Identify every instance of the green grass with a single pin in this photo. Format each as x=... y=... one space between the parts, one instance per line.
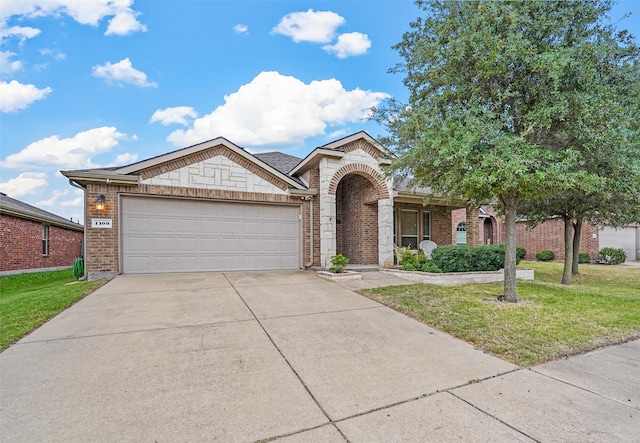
x=601 y=307
x=29 y=300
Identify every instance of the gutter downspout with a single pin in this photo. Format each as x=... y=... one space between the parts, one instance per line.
x=84 y=240
x=309 y=198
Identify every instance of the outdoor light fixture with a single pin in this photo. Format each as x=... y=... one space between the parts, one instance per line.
x=101 y=203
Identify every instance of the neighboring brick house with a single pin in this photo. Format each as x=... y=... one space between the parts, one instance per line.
x=550 y=235
x=216 y=207
x=34 y=239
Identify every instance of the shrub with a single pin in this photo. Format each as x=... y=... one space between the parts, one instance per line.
x=611 y=256
x=545 y=255
x=520 y=254
x=338 y=263
x=583 y=257
x=467 y=259
x=412 y=262
x=430 y=266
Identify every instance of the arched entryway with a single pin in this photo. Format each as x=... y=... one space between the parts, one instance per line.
x=488 y=231
x=357 y=219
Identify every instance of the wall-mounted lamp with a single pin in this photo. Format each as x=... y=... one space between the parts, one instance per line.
x=101 y=204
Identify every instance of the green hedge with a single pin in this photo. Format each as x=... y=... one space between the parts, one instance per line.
x=468 y=259
x=545 y=255
x=583 y=257
x=612 y=256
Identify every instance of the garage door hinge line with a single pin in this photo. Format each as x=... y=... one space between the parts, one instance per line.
x=285 y=358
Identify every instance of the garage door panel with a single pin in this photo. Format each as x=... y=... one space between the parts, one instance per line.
x=138 y=224
x=210 y=226
x=137 y=244
x=620 y=238
x=175 y=235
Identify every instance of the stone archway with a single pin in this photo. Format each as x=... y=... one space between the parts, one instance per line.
x=357 y=219
x=377 y=200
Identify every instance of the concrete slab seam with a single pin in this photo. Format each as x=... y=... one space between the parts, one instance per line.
x=597 y=394
x=320 y=313
x=422 y=396
x=304 y=385
x=495 y=418
x=79 y=337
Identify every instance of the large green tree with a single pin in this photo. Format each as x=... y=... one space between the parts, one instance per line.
x=603 y=98
x=488 y=101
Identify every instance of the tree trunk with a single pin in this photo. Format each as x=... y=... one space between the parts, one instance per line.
x=568 y=249
x=510 y=208
x=577 y=234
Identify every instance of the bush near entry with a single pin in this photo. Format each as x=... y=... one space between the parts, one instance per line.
x=583 y=257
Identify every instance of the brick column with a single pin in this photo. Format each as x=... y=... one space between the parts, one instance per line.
x=473 y=227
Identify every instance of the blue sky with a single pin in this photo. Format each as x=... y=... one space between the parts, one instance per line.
x=108 y=82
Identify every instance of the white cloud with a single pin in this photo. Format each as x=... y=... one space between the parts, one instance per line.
x=176 y=114
x=15 y=96
x=124 y=159
x=353 y=43
x=56 y=55
x=67 y=153
x=22 y=32
x=274 y=108
x=86 y=12
x=7 y=65
x=120 y=73
x=25 y=184
x=241 y=29
x=53 y=200
x=310 y=26
x=125 y=23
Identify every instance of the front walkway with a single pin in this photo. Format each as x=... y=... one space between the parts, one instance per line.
x=287 y=355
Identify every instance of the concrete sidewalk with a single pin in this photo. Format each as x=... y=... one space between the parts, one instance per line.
x=291 y=357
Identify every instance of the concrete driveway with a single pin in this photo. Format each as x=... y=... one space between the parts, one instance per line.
x=255 y=356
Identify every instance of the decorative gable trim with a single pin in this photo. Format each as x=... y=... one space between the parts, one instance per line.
x=200 y=152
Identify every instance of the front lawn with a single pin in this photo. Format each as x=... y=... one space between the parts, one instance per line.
x=601 y=307
x=29 y=300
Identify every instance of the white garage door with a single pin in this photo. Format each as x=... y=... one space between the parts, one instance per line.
x=174 y=235
x=622 y=238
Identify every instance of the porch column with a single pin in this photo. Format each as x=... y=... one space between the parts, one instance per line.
x=385 y=232
x=327 y=228
x=473 y=227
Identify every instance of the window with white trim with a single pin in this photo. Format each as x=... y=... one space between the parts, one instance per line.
x=409 y=228
x=461 y=233
x=45 y=239
x=426 y=225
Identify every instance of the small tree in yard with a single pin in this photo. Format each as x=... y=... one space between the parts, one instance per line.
x=489 y=98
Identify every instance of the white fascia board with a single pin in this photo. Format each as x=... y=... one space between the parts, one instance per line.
x=315 y=155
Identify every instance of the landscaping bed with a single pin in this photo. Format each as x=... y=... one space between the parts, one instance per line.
x=457 y=278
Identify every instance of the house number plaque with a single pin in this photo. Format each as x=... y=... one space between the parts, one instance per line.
x=101 y=223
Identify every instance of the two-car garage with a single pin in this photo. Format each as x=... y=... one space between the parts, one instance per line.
x=187 y=235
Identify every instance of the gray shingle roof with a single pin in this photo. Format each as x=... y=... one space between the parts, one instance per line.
x=277 y=160
x=15 y=207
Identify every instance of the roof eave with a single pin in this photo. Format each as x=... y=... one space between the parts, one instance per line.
x=314 y=156
x=20 y=214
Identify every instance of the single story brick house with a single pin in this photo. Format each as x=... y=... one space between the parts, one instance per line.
x=550 y=235
x=216 y=207
x=32 y=239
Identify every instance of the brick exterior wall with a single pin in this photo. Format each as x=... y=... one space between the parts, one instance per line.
x=21 y=245
x=550 y=236
x=546 y=236
x=357 y=220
